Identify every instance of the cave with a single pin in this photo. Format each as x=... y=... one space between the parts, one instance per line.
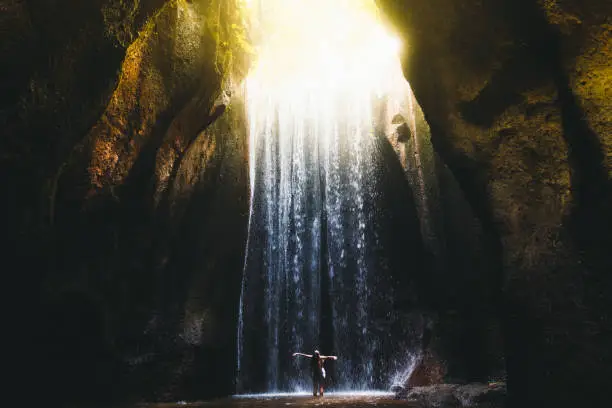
x=195 y=189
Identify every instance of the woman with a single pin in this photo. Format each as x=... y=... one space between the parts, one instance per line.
x=317 y=370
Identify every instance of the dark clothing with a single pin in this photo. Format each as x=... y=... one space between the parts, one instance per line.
x=315 y=365
x=316 y=368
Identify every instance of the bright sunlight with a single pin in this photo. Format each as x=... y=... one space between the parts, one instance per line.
x=320 y=59
x=320 y=44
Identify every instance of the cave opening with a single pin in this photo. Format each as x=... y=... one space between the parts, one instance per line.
x=339 y=211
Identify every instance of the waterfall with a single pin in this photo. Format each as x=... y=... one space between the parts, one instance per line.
x=317 y=272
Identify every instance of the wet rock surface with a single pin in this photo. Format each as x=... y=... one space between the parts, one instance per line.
x=438 y=396
x=329 y=400
x=456 y=395
x=127 y=173
x=513 y=91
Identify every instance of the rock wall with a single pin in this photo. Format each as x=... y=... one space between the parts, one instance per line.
x=517 y=97
x=124 y=163
x=457 y=290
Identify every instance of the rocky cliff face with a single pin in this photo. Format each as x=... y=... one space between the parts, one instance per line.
x=517 y=95
x=124 y=163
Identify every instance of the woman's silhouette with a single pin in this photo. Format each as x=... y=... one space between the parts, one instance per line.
x=317 y=370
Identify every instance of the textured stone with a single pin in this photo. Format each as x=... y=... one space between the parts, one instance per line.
x=515 y=94
x=126 y=161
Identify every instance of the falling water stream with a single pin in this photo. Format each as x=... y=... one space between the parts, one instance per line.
x=321 y=101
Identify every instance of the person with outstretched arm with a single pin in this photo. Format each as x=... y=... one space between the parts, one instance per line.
x=317 y=370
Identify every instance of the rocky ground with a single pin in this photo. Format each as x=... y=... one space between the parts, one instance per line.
x=456 y=396
x=294 y=401
x=438 y=396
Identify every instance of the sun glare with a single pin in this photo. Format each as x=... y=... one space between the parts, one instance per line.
x=309 y=45
x=319 y=60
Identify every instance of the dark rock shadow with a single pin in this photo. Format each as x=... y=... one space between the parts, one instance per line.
x=589 y=223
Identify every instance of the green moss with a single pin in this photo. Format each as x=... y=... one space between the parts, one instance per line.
x=226 y=21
